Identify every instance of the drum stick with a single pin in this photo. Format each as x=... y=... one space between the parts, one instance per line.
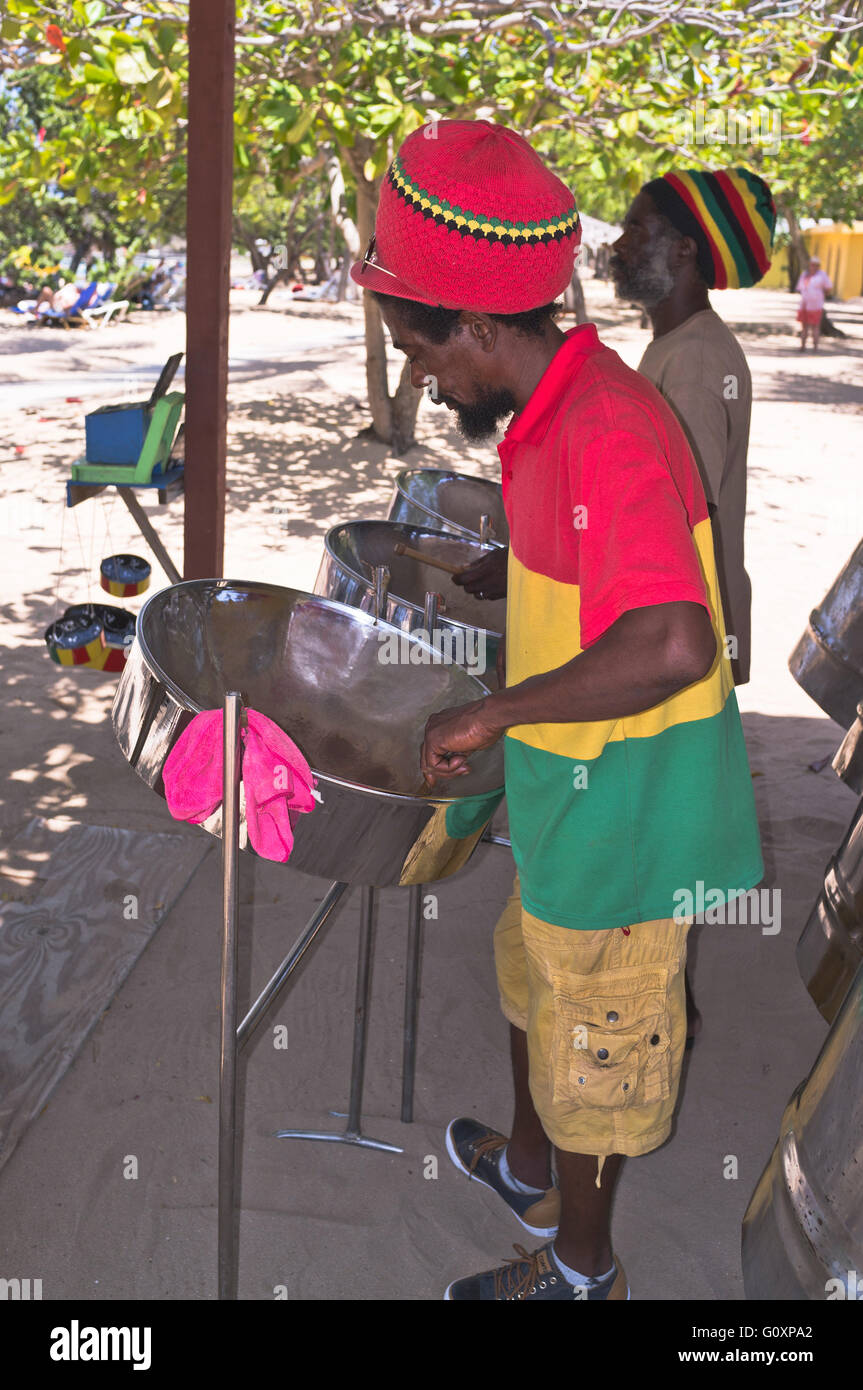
x=402 y=549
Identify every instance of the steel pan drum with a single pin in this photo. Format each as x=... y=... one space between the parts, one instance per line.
x=830 y=949
x=314 y=667
x=803 y=1229
x=848 y=762
x=451 y=502
x=353 y=550
x=828 y=659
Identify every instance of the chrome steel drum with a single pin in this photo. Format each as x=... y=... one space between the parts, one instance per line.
x=320 y=670
x=830 y=950
x=848 y=762
x=828 y=659
x=803 y=1229
x=451 y=502
x=352 y=552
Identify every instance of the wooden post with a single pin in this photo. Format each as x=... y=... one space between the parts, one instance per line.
x=209 y=181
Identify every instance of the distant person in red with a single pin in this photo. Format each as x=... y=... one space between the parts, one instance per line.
x=813 y=286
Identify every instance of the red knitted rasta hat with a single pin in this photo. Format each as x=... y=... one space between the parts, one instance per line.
x=471 y=218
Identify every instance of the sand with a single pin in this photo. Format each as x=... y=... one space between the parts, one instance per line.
x=328 y=1221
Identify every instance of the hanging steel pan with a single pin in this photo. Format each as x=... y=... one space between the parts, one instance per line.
x=828 y=660
x=830 y=950
x=848 y=762
x=450 y=502
x=473 y=627
x=803 y=1229
x=325 y=673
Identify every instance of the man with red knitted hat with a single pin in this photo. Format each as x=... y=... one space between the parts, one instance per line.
x=626 y=773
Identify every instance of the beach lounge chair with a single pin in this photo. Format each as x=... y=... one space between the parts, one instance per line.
x=72 y=315
x=105 y=309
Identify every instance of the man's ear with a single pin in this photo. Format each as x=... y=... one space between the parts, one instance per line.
x=686 y=251
x=482 y=328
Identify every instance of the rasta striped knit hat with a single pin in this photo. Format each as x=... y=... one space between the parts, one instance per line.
x=471 y=218
x=730 y=216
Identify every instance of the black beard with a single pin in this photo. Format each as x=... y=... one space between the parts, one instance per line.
x=480 y=419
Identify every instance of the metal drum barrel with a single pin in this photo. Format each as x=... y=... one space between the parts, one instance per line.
x=450 y=502
x=803 y=1228
x=848 y=762
x=323 y=672
x=830 y=949
x=828 y=660
x=473 y=627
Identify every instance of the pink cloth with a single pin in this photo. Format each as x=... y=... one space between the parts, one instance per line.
x=277 y=780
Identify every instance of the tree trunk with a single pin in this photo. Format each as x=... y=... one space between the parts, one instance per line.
x=405 y=404
x=798 y=256
x=281 y=277
x=393 y=417
x=573 y=298
x=829 y=329
x=376 y=348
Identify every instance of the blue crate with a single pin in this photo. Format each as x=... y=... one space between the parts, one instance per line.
x=116 y=433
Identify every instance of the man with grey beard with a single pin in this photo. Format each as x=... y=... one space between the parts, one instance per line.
x=684 y=234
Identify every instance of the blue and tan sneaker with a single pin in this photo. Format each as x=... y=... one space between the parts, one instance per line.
x=529 y=1278
x=476 y=1150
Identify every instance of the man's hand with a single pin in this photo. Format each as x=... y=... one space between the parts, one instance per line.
x=486 y=577
x=453 y=733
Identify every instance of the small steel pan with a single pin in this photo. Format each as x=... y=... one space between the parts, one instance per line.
x=803 y=1228
x=352 y=552
x=450 y=502
x=828 y=659
x=848 y=762
x=830 y=949
x=322 y=671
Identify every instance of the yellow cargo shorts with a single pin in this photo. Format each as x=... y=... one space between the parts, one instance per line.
x=605 y=1017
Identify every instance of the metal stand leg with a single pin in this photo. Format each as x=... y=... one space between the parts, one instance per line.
x=283 y=972
x=351 y=1134
x=412 y=998
x=488 y=839
x=228 y=1002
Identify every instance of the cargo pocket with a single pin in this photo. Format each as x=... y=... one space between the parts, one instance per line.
x=612 y=1037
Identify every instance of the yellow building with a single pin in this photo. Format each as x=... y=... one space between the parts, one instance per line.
x=840 y=250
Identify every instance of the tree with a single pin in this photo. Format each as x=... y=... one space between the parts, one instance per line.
x=603 y=90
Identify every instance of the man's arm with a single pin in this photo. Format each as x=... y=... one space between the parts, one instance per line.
x=644 y=658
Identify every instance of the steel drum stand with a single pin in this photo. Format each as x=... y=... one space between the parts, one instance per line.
x=351 y=1133
x=233 y=1038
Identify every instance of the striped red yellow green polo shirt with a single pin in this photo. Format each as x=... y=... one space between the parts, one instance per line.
x=611 y=819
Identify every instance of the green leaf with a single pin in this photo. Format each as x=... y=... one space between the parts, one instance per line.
x=628 y=122
x=384 y=89
x=133 y=69
x=303 y=125
x=93 y=73
x=165 y=38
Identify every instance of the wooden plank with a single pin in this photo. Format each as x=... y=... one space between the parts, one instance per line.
x=92 y=897
x=208 y=238
x=79 y=492
x=150 y=535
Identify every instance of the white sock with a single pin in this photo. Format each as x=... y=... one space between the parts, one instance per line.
x=572 y=1276
x=506 y=1173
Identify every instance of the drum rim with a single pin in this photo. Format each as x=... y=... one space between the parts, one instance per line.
x=416 y=530
x=355 y=614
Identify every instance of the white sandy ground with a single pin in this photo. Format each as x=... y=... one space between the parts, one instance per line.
x=329 y=1221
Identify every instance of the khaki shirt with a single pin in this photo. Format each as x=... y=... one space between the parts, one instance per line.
x=701 y=371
